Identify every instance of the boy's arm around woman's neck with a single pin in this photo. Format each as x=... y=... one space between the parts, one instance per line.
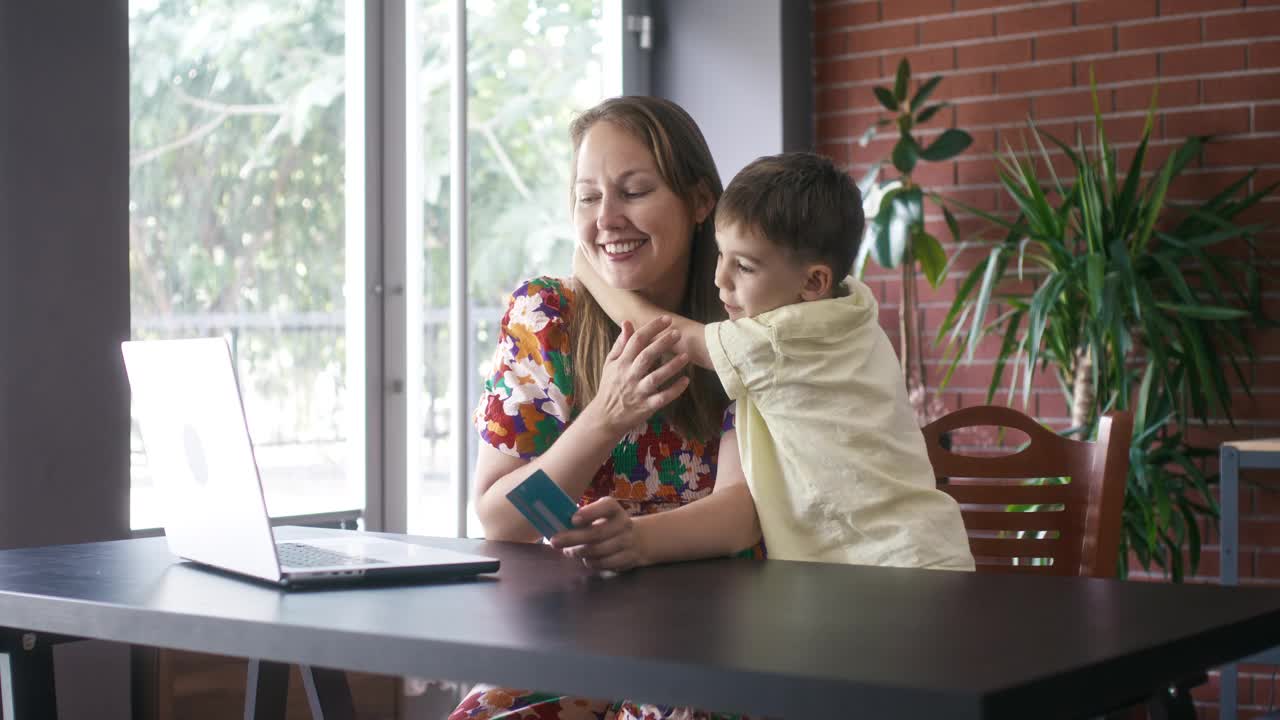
x=622 y=305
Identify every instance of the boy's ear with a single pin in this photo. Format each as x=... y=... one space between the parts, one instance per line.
x=818 y=283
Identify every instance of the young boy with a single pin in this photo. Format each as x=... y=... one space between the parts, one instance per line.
x=829 y=444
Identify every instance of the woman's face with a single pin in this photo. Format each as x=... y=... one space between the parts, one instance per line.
x=633 y=229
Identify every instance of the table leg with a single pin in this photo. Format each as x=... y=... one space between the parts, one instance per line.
x=1228 y=554
x=1228 y=676
x=328 y=693
x=266 y=692
x=1175 y=703
x=26 y=676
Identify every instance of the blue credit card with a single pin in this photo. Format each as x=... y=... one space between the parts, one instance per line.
x=547 y=507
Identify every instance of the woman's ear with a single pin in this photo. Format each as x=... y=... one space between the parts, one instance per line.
x=818 y=282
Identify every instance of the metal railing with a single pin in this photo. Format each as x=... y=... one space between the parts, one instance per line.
x=483 y=321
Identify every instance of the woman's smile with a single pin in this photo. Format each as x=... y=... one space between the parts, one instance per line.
x=620 y=250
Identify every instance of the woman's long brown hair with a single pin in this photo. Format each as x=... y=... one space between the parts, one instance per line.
x=684 y=161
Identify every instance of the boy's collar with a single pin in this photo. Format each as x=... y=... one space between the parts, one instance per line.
x=830 y=317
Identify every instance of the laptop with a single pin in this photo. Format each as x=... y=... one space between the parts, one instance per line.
x=191 y=415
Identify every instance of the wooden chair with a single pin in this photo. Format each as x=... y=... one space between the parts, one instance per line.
x=1053 y=529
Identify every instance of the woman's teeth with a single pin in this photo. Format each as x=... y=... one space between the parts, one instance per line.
x=620 y=248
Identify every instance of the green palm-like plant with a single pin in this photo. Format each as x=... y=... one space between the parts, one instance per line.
x=1129 y=302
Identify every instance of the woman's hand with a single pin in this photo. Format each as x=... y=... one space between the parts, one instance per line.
x=604 y=538
x=636 y=382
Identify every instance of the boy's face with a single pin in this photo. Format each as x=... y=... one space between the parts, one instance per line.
x=756 y=276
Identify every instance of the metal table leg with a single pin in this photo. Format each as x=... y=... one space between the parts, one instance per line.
x=1228 y=544
x=328 y=693
x=1175 y=702
x=266 y=692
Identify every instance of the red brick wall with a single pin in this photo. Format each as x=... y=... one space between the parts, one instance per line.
x=1218 y=66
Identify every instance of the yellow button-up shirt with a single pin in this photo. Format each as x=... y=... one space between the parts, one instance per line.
x=834 y=458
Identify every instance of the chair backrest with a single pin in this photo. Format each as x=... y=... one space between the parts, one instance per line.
x=1038 y=528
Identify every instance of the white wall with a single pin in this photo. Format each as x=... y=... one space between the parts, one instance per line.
x=742 y=68
x=64 y=271
x=64 y=300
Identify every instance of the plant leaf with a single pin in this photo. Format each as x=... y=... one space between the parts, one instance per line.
x=901 y=80
x=950 y=143
x=927 y=114
x=905 y=154
x=1008 y=347
x=910 y=205
x=961 y=305
x=869 y=178
x=886 y=98
x=1155 y=206
x=933 y=260
x=886 y=252
x=1107 y=176
x=1044 y=153
x=1204 y=312
x=868 y=135
x=952 y=225
x=1095 y=266
x=924 y=92
x=989 y=278
x=864 y=250
x=1124 y=204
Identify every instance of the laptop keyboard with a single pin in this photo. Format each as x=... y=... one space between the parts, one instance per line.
x=303 y=555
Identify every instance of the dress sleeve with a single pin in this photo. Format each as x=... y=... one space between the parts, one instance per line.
x=528 y=397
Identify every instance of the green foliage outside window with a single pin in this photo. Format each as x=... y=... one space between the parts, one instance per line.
x=237 y=197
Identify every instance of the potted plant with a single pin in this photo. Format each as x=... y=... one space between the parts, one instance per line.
x=896 y=236
x=1129 y=301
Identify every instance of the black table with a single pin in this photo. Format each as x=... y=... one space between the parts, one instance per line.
x=779 y=638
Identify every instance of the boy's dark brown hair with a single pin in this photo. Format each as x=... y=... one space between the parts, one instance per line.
x=799 y=201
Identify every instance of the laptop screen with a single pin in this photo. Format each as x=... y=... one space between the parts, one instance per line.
x=189 y=411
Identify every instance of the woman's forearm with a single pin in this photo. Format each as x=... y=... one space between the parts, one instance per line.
x=722 y=523
x=571 y=462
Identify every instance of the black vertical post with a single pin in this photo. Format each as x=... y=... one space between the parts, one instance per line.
x=27 y=685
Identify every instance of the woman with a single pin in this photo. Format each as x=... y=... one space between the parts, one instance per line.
x=636 y=437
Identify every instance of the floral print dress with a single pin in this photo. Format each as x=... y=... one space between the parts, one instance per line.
x=527 y=402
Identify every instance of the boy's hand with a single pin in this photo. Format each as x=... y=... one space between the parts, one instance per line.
x=604 y=537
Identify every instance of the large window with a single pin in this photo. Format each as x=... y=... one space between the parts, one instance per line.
x=237 y=226
x=248 y=213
